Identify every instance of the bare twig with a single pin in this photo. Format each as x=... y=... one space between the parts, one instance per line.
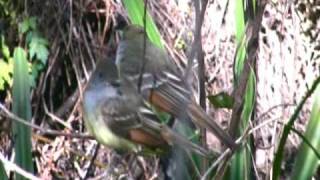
x=17 y=169
x=71 y=100
x=216 y=163
x=197 y=52
x=95 y=154
x=252 y=33
x=196 y=46
x=272 y=108
x=144 y=59
x=33 y=126
x=54 y=117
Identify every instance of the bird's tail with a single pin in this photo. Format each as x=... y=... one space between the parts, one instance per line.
x=205 y=121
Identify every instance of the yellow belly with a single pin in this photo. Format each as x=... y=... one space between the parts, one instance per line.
x=105 y=136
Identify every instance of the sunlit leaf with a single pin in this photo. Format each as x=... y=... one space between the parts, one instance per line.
x=6 y=70
x=38 y=48
x=5 y=49
x=221 y=100
x=307 y=162
x=27 y=24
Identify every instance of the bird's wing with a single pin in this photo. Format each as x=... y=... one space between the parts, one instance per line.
x=134 y=120
x=169 y=135
x=168 y=92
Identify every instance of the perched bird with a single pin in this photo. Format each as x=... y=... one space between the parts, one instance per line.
x=116 y=115
x=160 y=84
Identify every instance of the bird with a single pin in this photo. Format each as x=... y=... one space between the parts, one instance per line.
x=116 y=114
x=159 y=81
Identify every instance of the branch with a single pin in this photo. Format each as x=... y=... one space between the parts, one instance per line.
x=17 y=169
x=12 y=116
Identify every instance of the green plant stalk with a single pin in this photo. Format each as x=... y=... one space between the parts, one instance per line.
x=286 y=131
x=241 y=162
x=307 y=142
x=21 y=108
x=307 y=160
x=241 y=41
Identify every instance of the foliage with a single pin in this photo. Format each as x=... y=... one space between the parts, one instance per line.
x=22 y=108
x=37 y=46
x=241 y=162
x=6 y=67
x=19 y=69
x=306 y=162
x=287 y=130
x=221 y=100
x=37 y=49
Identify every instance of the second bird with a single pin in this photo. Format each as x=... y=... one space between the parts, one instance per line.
x=159 y=81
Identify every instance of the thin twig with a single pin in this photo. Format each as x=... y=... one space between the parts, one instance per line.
x=288 y=127
x=95 y=154
x=67 y=104
x=252 y=35
x=17 y=169
x=54 y=117
x=197 y=52
x=144 y=59
x=197 y=35
x=12 y=116
x=225 y=154
x=270 y=109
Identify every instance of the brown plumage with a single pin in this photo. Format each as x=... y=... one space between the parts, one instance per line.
x=161 y=85
x=115 y=113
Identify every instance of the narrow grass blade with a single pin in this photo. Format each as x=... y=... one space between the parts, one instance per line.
x=307 y=162
x=279 y=154
x=22 y=108
x=241 y=162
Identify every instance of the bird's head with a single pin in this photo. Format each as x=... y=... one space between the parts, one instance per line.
x=106 y=72
x=132 y=32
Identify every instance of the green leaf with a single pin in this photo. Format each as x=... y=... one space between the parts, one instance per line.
x=22 y=108
x=29 y=37
x=221 y=100
x=241 y=162
x=287 y=129
x=35 y=68
x=27 y=24
x=6 y=70
x=5 y=49
x=23 y=27
x=38 y=49
x=32 y=23
x=307 y=161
